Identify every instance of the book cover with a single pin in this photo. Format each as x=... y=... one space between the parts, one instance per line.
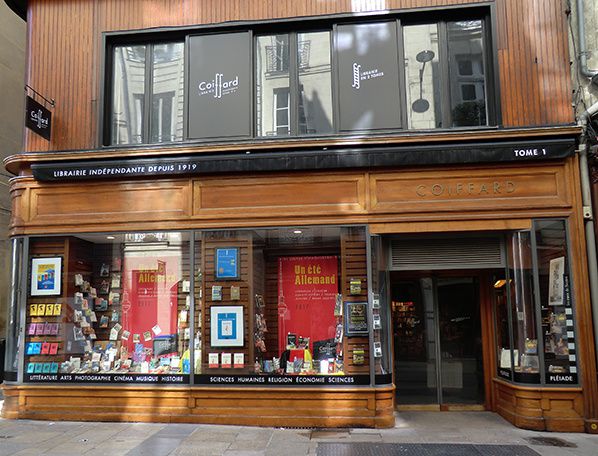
x=213 y=362
x=238 y=360
x=37 y=348
x=49 y=310
x=226 y=360
x=39 y=367
x=31 y=328
x=29 y=348
x=45 y=348
x=53 y=348
x=48 y=328
x=41 y=310
x=104 y=321
x=39 y=330
x=57 y=309
x=55 y=329
x=46 y=368
x=54 y=368
x=31 y=368
x=33 y=310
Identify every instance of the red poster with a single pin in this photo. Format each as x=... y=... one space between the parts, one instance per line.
x=149 y=302
x=307 y=288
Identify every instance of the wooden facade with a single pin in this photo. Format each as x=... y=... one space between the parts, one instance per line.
x=65 y=63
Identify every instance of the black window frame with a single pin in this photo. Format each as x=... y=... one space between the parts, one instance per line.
x=485 y=12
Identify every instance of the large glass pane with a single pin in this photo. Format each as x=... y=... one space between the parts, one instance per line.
x=414 y=331
x=422 y=76
x=466 y=73
x=109 y=308
x=273 y=86
x=128 y=95
x=460 y=340
x=381 y=311
x=13 y=324
x=282 y=306
x=315 y=83
x=501 y=315
x=558 y=327
x=525 y=339
x=167 y=92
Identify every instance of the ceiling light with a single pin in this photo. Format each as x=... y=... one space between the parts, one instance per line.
x=297 y=231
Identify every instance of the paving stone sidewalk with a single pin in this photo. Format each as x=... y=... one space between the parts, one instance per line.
x=30 y=438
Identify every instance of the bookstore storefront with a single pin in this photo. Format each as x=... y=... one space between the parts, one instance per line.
x=325 y=307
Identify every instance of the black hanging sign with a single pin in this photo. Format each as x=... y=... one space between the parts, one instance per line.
x=38 y=118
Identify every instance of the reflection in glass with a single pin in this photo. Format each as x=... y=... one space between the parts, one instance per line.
x=422 y=76
x=525 y=339
x=273 y=85
x=466 y=70
x=501 y=314
x=414 y=328
x=167 y=93
x=315 y=83
x=128 y=94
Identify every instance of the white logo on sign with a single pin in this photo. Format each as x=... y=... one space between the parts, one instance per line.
x=359 y=75
x=38 y=118
x=218 y=87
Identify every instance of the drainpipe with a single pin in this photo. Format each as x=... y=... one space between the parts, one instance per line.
x=583 y=53
x=584 y=118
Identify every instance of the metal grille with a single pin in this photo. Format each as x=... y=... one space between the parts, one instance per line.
x=442 y=253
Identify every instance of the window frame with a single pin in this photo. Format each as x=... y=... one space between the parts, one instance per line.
x=485 y=12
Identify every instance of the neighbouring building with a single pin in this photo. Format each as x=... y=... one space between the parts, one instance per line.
x=300 y=214
x=12 y=66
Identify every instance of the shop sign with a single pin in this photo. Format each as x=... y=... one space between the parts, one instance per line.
x=368 y=73
x=219 y=92
x=296 y=160
x=108 y=378
x=304 y=380
x=38 y=119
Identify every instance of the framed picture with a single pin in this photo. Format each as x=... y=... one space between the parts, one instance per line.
x=356 y=318
x=227 y=263
x=226 y=326
x=556 y=281
x=46 y=276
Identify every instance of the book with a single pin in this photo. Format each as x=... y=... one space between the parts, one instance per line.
x=216 y=293
x=29 y=348
x=37 y=348
x=53 y=348
x=238 y=360
x=213 y=362
x=31 y=328
x=39 y=367
x=104 y=321
x=55 y=329
x=49 y=310
x=31 y=368
x=33 y=310
x=39 y=330
x=226 y=360
x=46 y=368
x=57 y=310
x=54 y=368
x=45 y=348
x=41 y=310
x=48 y=329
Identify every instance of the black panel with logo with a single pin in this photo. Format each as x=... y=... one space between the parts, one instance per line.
x=219 y=86
x=38 y=118
x=368 y=76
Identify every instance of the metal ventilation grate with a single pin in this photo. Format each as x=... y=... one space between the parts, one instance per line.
x=443 y=253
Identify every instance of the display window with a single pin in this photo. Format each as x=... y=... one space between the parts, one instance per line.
x=108 y=308
x=282 y=306
x=254 y=306
x=534 y=309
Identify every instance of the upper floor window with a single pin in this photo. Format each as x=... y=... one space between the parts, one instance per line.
x=386 y=75
x=147 y=93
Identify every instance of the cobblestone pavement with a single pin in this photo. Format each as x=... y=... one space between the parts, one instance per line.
x=26 y=437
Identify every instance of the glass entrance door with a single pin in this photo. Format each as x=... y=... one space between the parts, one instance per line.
x=437 y=341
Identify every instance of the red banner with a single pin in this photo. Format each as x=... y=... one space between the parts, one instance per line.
x=150 y=287
x=307 y=288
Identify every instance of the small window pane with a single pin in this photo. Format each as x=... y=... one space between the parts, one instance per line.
x=272 y=81
x=422 y=76
x=167 y=93
x=315 y=83
x=128 y=95
x=466 y=73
